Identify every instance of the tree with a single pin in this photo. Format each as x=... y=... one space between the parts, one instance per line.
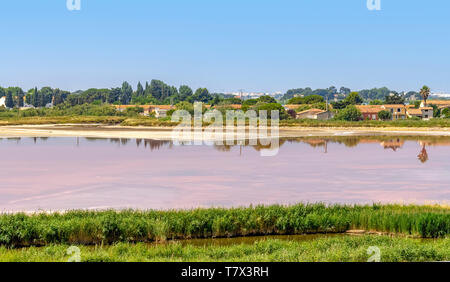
x=202 y=95
x=345 y=91
x=394 y=99
x=269 y=107
x=354 y=99
x=350 y=113
x=127 y=92
x=20 y=95
x=139 y=90
x=425 y=93
x=185 y=92
x=376 y=102
x=267 y=99
x=35 y=101
x=9 y=102
x=385 y=115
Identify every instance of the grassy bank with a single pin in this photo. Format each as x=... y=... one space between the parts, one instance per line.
x=335 y=249
x=109 y=227
x=150 y=121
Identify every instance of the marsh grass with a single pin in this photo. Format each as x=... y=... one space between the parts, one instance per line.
x=327 y=249
x=109 y=227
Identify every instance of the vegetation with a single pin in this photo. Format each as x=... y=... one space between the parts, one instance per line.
x=327 y=249
x=385 y=115
x=109 y=227
x=425 y=93
x=350 y=113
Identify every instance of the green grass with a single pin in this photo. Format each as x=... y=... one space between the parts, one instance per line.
x=333 y=249
x=109 y=227
x=165 y=122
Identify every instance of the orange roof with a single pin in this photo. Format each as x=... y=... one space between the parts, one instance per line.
x=312 y=111
x=415 y=111
x=438 y=102
x=426 y=108
x=369 y=109
x=394 y=106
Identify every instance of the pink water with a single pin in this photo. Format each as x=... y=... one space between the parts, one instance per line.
x=71 y=173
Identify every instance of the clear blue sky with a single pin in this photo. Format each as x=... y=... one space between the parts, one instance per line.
x=226 y=45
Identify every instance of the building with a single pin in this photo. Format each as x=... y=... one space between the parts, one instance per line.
x=425 y=113
x=397 y=111
x=148 y=109
x=3 y=101
x=441 y=104
x=315 y=114
x=369 y=112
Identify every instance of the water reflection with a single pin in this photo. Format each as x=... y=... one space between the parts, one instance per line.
x=93 y=173
x=387 y=142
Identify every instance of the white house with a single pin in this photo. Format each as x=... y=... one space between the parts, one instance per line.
x=3 y=101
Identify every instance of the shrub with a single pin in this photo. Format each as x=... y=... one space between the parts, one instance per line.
x=385 y=115
x=350 y=113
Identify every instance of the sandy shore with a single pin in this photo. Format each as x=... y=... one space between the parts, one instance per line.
x=165 y=133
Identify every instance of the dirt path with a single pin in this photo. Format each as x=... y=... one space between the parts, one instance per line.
x=165 y=133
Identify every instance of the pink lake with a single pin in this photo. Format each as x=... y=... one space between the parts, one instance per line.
x=72 y=173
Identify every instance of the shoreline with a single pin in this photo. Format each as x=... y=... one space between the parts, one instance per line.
x=165 y=133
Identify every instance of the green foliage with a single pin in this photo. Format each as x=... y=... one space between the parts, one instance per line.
x=314 y=248
x=385 y=115
x=269 y=107
x=445 y=113
x=394 y=99
x=350 y=113
x=9 y=102
x=250 y=102
x=267 y=99
x=376 y=102
x=313 y=99
x=92 y=227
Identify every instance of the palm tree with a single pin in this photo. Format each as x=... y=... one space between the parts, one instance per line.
x=425 y=93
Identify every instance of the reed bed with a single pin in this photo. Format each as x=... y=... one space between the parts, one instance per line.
x=325 y=249
x=109 y=227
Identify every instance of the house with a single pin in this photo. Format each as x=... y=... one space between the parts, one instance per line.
x=425 y=113
x=3 y=101
x=369 y=112
x=148 y=109
x=441 y=104
x=397 y=111
x=315 y=114
x=161 y=113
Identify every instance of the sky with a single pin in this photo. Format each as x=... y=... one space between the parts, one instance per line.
x=264 y=45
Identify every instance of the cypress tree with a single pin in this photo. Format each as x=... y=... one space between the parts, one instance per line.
x=9 y=102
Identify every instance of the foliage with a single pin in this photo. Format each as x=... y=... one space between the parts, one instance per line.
x=313 y=99
x=290 y=249
x=385 y=115
x=394 y=99
x=376 y=102
x=350 y=113
x=425 y=93
x=97 y=227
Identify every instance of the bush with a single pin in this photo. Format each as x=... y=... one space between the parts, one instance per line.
x=385 y=115
x=350 y=113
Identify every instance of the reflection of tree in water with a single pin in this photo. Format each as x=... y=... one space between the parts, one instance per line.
x=393 y=144
x=247 y=143
x=423 y=156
